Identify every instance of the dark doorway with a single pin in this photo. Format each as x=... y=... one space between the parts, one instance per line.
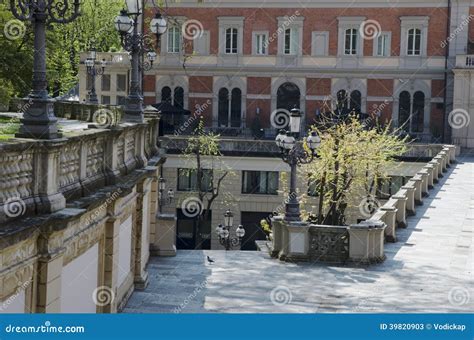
x=187 y=234
x=253 y=230
x=288 y=96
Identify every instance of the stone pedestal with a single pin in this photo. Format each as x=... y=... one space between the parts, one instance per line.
x=424 y=182
x=410 y=207
x=391 y=222
x=401 y=211
x=417 y=182
x=164 y=243
x=432 y=177
x=366 y=242
x=298 y=241
x=277 y=230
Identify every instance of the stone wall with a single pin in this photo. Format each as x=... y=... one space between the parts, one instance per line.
x=76 y=219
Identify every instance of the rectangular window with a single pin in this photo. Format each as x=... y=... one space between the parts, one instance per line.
x=121 y=82
x=105 y=100
x=350 y=42
x=231 y=40
x=174 y=40
x=291 y=41
x=187 y=180
x=383 y=47
x=260 y=182
x=261 y=44
x=106 y=82
x=414 y=42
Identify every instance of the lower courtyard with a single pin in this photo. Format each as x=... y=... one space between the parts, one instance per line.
x=429 y=270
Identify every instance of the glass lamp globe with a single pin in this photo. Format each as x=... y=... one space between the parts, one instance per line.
x=161 y=184
x=151 y=56
x=218 y=229
x=103 y=63
x=123 y=23
x=228 y=218
x=89 y=62
x=295 y=120
x=279 y=138
x=171 y=194
x=134 y=6
x=313 y=140
x=158 y=24
x=289 y=141
x=240 y=232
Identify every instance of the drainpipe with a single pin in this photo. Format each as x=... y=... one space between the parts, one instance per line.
x=448 y=28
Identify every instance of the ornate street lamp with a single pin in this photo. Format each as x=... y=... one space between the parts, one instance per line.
x=223 y=232
x=137 y=44
x=39 y=120
x=162 y=198
x=295 y=154
x=94 y=71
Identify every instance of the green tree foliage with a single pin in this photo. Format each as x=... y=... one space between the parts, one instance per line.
x=352 y=160
x=94 y=27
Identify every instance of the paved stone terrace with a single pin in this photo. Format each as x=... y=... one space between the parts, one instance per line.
x=429 y=270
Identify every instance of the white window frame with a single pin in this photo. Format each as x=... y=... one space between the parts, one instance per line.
x=414 y=22
x=388 y=44
x=234 y=38
x=233 y=23
x=255 y=42
x=346 y=23
x=412 y=50
x=170 y=42
x=353 y=39
x=296 y=25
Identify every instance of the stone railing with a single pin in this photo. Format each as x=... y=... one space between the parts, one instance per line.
x=395 y=211
x=73 y=110
x=82 y=217
x=361 y=243
x=36 y=176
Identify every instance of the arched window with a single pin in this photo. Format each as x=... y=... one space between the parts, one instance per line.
x=288 y=96
x=356 y=101
x=166 y=94
x=404 y=110
x=223 y=108
x=236 y=108
x=341 y=100
x=418 y=116
x=178 y=100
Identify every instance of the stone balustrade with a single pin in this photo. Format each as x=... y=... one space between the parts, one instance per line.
x=77 y=218
x=361 y=243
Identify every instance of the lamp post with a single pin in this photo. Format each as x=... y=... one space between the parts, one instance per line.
x=162 y=199
x=223 y=231
x=39 y=120
x=94 y=71
x=136 y=44
x=295 y=154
